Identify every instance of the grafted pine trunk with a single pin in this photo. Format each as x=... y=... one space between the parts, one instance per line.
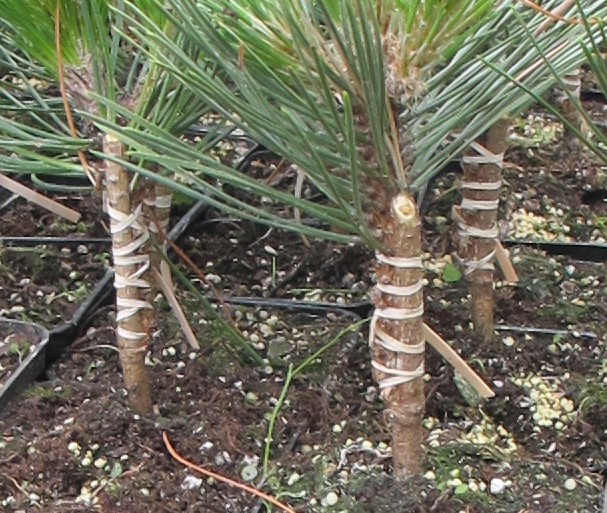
x=396 y=334
x=476 y=218
x=159 y=202
x=131 y=263
x=573 y=85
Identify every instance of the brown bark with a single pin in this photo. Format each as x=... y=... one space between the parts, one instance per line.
x=145 y=193
x=475 y=248
x=161 y=214
x=570 y=111
x=132 y=330
x=400 y=230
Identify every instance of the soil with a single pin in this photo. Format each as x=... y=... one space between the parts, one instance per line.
x=47 y=283
x=23 y=219
x=72 y=443
x=245 y=259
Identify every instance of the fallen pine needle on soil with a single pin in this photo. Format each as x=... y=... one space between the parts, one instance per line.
x=223 y=479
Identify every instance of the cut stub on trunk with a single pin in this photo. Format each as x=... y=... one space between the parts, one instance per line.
x=130 y=254
x=396 y=333
x=476 y=221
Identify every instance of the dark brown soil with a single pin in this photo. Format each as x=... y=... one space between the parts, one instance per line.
x=244 y=259
x=72 y=444
x=23 y=219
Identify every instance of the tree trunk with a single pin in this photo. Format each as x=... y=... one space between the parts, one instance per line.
x=396 y=332
x=131 y=263
x=573 y=86
x=476 y=218
x=162 y=212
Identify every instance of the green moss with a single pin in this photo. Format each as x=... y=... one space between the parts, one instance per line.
x=47 y=392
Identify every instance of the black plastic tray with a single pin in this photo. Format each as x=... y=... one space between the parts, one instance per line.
x=32 y=366
x=58 y=339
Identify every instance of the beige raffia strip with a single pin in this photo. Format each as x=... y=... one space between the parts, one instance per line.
x=128 y=256
x=482 y=264
x=473 y=204
x=500 y=254
x=394 y=290
x=163 y=201
x=377 y=336
x=484 y=156
x=465 y=230
x=481 y=186
x=400 y=262
x=397 y=376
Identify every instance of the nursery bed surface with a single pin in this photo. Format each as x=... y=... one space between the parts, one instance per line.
x=244 y=259
x=47 y=283
x=24 y=219
x=72 y=444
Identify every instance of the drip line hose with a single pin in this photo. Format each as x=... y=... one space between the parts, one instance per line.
x=582 y=251
x=592 y=94
x=257 y=151
x=360 y=309
x=194 y=213
x=26 y=242
x=547 y=331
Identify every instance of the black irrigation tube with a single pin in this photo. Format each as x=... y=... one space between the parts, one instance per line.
x=54 y=241
x=360 y=309
x=363 y=309
x=257 y=151
x=63 y=336
x=583 y=251
x=547 y=331
x=194 y=213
